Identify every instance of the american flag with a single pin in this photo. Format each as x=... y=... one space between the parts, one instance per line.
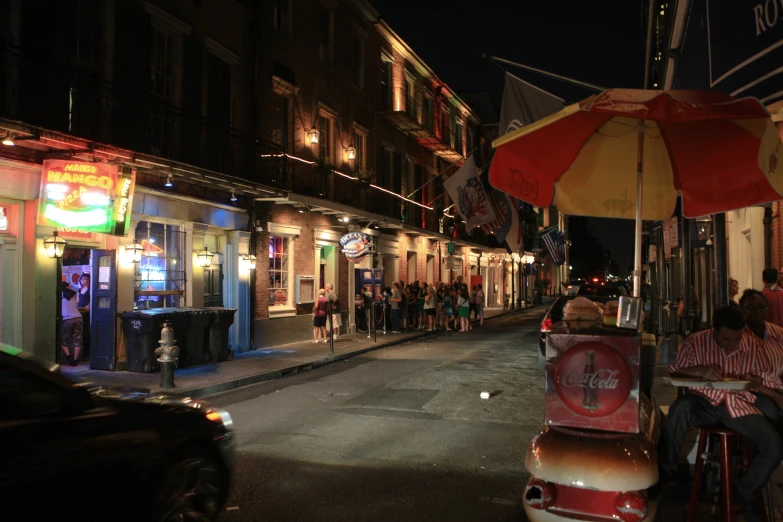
x=501 y=213
x=553 y=240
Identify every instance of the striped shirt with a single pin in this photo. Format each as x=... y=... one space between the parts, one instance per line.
x=773 y=349
x=700 y=349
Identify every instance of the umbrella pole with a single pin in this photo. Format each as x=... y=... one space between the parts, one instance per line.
x=637 y=249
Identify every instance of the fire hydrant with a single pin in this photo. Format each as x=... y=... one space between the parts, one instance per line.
x=168 y=354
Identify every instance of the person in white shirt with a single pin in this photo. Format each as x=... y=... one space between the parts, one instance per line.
x=337 y=320
x=72 y=326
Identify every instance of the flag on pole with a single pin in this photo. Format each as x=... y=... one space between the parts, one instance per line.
x=523 y=103
x=554 y=242
x=469 y=196
x=513 y=240
x=499 y=201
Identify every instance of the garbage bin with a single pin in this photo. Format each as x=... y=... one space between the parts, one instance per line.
x=217 y=347
x=192 y=338
x=141 y=330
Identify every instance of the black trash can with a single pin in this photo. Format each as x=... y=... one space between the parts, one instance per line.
x=142 y=329
x=222 y=319
x=192 y=337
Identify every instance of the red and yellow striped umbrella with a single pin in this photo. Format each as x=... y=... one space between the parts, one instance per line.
x=719 y=152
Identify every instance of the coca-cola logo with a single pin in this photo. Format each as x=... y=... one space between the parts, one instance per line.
x=592 y=379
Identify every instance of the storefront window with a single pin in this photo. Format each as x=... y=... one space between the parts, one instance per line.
x=3 y=219
x=160 y=276
x=278 y=270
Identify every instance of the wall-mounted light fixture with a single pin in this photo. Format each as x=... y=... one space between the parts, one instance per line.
x=249 y=260
x=313 y=136
x=55 y=246
x=133 y=252
x=9 y=139
x=351 y=152
x=204 y=258
x=169 y=181
x=233 y=197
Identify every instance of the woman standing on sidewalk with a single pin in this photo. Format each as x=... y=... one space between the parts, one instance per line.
x=480 y=304
x=413 y=310
x=422 y=314
x=429 y=308
x=448 y=308
x=319 y=316
x=439 y=305
x=463 y=309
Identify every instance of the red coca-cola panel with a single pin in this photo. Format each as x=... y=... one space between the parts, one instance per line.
x=592 y=381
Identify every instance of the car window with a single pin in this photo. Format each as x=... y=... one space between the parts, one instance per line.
x=24 y=396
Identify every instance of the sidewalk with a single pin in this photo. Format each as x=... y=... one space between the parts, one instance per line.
x=263 y=364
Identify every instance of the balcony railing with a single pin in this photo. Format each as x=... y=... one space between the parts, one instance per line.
x=296 y=176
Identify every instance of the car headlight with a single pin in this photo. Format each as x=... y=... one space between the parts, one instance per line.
x=221 y=416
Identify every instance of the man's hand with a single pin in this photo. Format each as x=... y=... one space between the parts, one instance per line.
x=755 y=381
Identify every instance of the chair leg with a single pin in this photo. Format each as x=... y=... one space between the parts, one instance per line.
x=725 y=478
x=770 y=503
x=697 y=471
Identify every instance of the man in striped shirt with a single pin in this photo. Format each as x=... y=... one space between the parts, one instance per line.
x=769 y=399
x=728 y=350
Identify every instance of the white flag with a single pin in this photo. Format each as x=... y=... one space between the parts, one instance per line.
x=468 y=194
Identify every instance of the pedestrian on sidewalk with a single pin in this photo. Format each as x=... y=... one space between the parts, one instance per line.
x=422 y=315
x=473 y=302
x=396 y=299
x=319 y=316
x=361 y=323
x=480 y=304
x=774 y=295
x=439 y=305
x=448 y=308
x=413 y=307
x=463 y=309
x=429 y=307
x=72 y=325
x=369 y=305
x=403 y=307
x=337 y=320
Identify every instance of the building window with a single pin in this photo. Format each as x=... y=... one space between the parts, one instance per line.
x=326 y=35
x=162 y=64
x=458 y=137
x=471 y=140
x=4 y=218
x=386 y=171
x=284 y=17
x=358 y=62
x=326 y=139
x=279 y=249
x=445 y=124
x=159 y=279
x=410 y=97
x=386 y=81
x=360 y=144
x=282 y=134
x=88 y=34
x=426 y=119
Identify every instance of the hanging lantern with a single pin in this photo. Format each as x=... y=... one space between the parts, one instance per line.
x=134 y=252
x=205 y=258
x=351 y=152
x=55 y=246
x=313 y=135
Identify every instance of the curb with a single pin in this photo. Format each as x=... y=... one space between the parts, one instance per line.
x=213 y=389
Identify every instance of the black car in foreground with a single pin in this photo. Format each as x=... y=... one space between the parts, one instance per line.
x=86 y=452
x=555 y=312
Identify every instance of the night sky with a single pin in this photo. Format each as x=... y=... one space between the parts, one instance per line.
x=596 y=42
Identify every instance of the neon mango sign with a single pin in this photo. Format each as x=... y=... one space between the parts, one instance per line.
x=88 y=197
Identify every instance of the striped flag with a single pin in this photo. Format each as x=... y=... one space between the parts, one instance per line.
x=553 y=240
x=496 y=197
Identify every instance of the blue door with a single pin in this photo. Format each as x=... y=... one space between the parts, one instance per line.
x=103 y=309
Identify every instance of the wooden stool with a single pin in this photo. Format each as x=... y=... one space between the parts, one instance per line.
x=726 y=436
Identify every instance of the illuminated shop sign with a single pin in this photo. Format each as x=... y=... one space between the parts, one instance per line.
x=356 y=245
x=86 y=197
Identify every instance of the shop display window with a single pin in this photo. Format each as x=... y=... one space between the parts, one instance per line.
x=278 y=270
x=159 y=279
x=3 y=219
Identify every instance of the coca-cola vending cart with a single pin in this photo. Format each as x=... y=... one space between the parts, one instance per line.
x=595 y=458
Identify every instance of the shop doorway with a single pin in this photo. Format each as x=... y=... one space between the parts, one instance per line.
x=412 y=267
x=92 y=275
x=430 y=269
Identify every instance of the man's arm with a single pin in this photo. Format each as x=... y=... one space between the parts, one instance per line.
x=689 y=363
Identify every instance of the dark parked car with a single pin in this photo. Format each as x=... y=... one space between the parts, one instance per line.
x=573 y=285
x=601 y=290
x=555 y=315
x=92 y=453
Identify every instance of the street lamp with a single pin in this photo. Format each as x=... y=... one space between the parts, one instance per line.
x=204 y=258
x=704 y=228
x=55 y=245
x=250 y=261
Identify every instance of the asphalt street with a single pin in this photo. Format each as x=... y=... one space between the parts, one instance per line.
x=399 y=434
